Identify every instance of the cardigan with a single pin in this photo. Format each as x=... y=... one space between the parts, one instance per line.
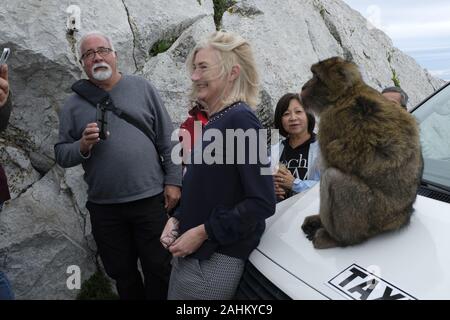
x=232 y=199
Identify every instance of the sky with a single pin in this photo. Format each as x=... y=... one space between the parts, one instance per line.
x=419 y=28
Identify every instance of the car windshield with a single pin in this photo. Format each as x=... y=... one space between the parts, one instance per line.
x=434 y=120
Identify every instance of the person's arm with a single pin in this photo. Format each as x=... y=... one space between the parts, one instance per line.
x=68 y=149
x=229 y=225
x=5 y=112
x=302 y=185
x=286 y=180
x=5 y=97
x=163 y=129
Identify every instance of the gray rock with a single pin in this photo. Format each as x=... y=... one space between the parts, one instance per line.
x=21 y=174
x=38 y=266
x=372 y=49
x=42 y=233
x=168 y=73
x=155 y=20
x=44 y=63
x=287 y=44
x=45 y=228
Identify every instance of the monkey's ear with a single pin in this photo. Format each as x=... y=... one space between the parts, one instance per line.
x=344 y=75
x=348 y=73
x=318 y=70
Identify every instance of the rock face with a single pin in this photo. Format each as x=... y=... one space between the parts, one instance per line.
x=45 y=228
x=286 y=47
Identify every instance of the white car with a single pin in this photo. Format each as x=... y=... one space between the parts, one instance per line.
x=411 y=263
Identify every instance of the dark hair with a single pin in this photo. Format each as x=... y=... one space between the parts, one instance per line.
x=404 y=96
x=283 y=105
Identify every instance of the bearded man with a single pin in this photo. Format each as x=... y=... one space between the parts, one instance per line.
x=132 y=181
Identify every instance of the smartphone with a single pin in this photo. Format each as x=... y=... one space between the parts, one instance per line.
x=5 y=55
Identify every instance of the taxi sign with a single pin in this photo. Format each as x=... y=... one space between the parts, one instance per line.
x=358 y=283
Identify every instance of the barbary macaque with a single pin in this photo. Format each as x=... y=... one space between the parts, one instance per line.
x=372 y=161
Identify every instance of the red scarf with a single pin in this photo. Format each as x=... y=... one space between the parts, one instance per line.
x=195 y=114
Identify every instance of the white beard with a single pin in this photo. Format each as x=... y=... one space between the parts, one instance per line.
x=101 y=75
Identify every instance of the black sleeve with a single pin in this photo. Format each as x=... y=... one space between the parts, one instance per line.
x=5 y=112
x=229 y=225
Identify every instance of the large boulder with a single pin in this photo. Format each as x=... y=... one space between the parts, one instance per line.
x=289 y=36
x=42 y=233
x=45 y=228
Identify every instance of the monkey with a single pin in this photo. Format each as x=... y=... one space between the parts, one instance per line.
x=371 y=157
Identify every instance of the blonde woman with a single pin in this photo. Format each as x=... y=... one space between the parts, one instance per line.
x=224 y=204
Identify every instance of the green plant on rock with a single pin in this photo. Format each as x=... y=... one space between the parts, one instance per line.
x=220 y=6
x=97 y=287
x=161 y=46
x=395 y=78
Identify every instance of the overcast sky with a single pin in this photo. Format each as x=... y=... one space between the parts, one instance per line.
x=420 y=28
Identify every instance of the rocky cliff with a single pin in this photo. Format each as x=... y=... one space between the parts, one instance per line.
x=45 y=227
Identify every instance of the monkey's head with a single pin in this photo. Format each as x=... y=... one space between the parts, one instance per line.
x=332 y=79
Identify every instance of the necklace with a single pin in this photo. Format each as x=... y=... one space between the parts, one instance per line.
x=220 y=114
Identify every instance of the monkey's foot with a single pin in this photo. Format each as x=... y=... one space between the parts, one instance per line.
x=311 y=225
x=323 y=240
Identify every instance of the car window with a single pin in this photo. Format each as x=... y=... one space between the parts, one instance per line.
x=434 y=121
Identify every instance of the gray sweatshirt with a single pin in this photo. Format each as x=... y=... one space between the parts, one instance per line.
x=126 y=166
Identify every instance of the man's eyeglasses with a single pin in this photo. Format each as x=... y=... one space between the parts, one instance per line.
x=90 y=54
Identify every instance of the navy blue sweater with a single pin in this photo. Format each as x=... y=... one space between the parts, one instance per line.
x=232 y=200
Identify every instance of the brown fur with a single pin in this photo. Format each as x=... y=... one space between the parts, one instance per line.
x=372 y=163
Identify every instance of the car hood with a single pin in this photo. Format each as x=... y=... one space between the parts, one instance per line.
x=414 y=259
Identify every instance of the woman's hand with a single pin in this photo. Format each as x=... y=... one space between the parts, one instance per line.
x=189 y=241
x=170 y=233
x=284 y=179
x=280 y=193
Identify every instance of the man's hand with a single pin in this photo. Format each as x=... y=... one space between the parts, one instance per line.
x=171 y=196
x=4 y=85
x=189 y=241
x=89 y=138
x=170 y=233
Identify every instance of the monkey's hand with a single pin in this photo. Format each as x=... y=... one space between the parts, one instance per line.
x=311 y=225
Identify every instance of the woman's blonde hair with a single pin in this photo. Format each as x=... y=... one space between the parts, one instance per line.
x=232 y=50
